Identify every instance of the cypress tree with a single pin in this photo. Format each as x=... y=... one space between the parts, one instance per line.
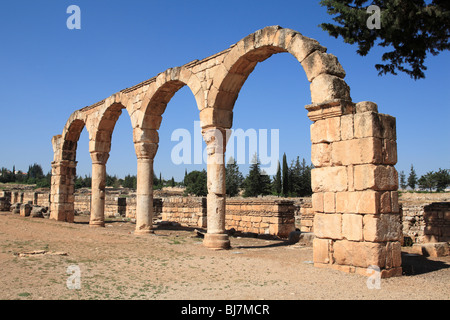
x=285 y=177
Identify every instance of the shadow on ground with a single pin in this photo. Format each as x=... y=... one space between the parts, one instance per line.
x=414 y=264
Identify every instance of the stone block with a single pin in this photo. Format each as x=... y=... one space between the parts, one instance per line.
x=320 y=154
x=326 y=130
x=327 y=87
x=328 y=225
x=352 y=227
x=389 y=150
x=347 y=127
x=322 y=250
x=320 y=62
x=366 y=106
x=359 y=254
x=375 y=177
x=301 y=46
x=367 y=124
x=437 y=249
x=393 y=255
x=329 y=179
x=382 y=227
x=362 y=202
x=25 y=210
x=356 y=151
x=317 y=201
x=329 y=202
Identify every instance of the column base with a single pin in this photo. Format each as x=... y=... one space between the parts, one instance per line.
x=216 y=241
x=97 y=224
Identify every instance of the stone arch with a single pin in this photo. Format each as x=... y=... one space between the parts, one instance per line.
x=323 y=70
x=357 y=221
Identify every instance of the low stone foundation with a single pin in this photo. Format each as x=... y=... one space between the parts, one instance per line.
x=270 y=217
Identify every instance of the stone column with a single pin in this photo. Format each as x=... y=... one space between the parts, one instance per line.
x=98 y=185
x=145 y=152
x=144 y=196
x=216 y=236
x=357 y=222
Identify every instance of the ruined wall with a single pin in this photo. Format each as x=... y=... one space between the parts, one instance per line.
x=426 y=222
x=189 y=211
x=274 y=217
x=255 y=215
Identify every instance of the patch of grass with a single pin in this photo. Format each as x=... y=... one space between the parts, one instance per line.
x=24 y=294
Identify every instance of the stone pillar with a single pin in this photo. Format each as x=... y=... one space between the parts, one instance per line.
x=144 y=196
x=216 y=236
x=357 y=222
x=98 y=185
x=146 y=146
x=62 y=190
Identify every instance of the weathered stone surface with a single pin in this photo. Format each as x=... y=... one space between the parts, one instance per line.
x=326 y=130
x=359 y=254
x=328 y=225
x=366 y=106
x=319 y=62
x=356 y=151
x=363 y=202
x=352 y=227
x=322 y=250
x=329 y=179
x=321 y=154
x=25 y=210
x=327 y=87
x=376 y=177
x=381 y=228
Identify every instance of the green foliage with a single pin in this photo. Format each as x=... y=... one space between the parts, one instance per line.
x=412 y=178
x=130 y=182
x=196 y=183
x=277 y=182
x=438 y=180
x=442 y=178
x=411 y=28
x=300 y=179
x=403 y=183
x=285 y=181
x=257 y=182
x=83 y=182
x=427 y=181
x=233 y=178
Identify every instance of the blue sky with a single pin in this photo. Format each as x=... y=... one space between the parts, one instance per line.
x=49 y=71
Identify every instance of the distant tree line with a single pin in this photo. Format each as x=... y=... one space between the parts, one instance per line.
x=431 y=181
x=291 y=181
x=34 y=175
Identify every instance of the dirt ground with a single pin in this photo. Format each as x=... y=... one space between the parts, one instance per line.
x=113 y=263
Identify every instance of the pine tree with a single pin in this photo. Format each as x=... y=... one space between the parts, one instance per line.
x=403 y=183
x=196 y=183
x=412 y=178
x=234 y=178
x=411 y=28
x=253 y=182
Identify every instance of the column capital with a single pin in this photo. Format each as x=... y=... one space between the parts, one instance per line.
x=145 y=150
x=99 y=157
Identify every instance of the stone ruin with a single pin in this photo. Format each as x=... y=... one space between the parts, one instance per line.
x=355 y=203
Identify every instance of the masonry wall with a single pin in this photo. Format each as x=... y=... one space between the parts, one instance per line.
x=426 y=222
x=274 y=217
x=189 y=211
